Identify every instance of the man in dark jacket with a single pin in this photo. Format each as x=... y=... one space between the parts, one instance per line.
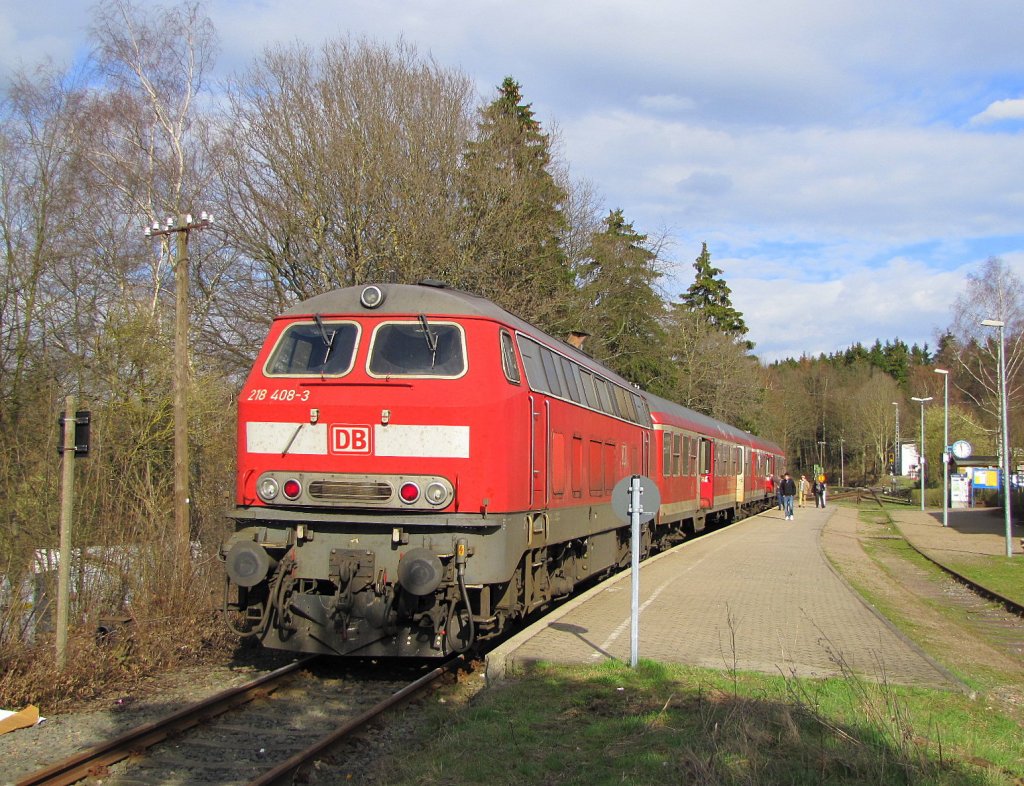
x=788 y=490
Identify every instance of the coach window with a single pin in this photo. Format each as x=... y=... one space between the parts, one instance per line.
x=318 y=348
x=666 y=453
x=417 y=349
x=508 y=358
x=677 y=455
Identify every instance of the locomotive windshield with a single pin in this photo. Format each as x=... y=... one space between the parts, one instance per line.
x=418 y=349
x=317 y=348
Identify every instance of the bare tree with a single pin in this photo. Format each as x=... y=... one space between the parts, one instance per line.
x=994 y=292
x=340 y=166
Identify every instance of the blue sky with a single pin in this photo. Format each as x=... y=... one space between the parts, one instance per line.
x=848 y=163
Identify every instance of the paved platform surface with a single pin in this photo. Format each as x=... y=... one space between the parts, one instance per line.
x=758 y=595
x=978 y=531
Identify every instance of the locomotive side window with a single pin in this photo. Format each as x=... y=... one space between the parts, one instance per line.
x=508 y=358
x=530 y=350
x=314 y=349
x=548 y=358
x=549 y=372
x=569 y=369
x=604 y=396
x=577 y=374
x=590 y=393
x=417 y=349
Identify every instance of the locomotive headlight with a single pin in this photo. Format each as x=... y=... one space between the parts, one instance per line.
x=436 y=493
x=267 y=488
x=371 y=297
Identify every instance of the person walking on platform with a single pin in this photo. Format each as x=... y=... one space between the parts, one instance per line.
x=819 y=494
x=803 y=488
x=788 y=490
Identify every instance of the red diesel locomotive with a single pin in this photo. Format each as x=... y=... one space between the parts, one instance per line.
x=418 y=469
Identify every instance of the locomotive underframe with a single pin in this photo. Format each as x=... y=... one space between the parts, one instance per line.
x=333 y=585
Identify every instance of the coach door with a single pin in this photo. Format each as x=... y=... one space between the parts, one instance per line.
x=741 y=476
x=707 y=473
x=540 y=415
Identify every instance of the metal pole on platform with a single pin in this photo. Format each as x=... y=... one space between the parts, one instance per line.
x=945 y=447
x=921 y=461
x=634 y=520
x=1007 y=515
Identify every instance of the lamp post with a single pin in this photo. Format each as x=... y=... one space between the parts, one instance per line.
x=842 y=465
x=897 y=458
x=922 y=461
x=821 y=455
x=180 y=227
x=998 y=323
x=945 y=446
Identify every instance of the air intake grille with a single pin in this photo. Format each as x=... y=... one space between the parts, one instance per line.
x=351 y=490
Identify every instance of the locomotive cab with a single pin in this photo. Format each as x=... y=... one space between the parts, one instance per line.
x=368 y=467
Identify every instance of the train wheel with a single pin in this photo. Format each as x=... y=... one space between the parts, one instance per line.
x=458 y=632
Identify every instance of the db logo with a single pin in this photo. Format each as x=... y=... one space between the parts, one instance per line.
x=350 y=439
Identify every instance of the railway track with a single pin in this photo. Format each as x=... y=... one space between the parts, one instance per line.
x=987 y=593
x=262 y=732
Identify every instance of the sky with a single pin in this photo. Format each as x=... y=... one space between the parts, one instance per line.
x=849 y=163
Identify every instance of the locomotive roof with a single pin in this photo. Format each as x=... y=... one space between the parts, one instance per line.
x=708 y=424
x=435 y=298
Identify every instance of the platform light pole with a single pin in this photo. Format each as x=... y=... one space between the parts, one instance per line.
x=897 y=459
x=922 y=461
x=842 y=465
x=1007 y=515
x=180 y=228
x=945 y=446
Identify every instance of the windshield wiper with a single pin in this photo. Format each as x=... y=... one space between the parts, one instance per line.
x=328 y=340
x=431 y=339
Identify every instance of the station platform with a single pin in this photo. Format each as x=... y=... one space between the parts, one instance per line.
x=758 y=595
x=978 y=531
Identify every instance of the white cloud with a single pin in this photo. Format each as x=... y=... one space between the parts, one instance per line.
x=831 y=159
x=1007 y=109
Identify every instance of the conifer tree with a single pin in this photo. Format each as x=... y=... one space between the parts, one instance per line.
x=515 y=214
x=709 y=296
x=622 y=308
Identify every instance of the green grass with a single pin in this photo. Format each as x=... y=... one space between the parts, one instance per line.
x=1004 y=575
x=672 y=724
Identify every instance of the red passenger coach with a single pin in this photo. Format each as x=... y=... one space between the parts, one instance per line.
x=418 y=470
x=709 y=472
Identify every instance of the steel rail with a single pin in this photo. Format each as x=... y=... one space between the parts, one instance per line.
x=1009 y=604
x=89 y=762
x=284 y=773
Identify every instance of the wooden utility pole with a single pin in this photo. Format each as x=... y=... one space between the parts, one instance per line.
x=180 y=228
x=67 y=504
